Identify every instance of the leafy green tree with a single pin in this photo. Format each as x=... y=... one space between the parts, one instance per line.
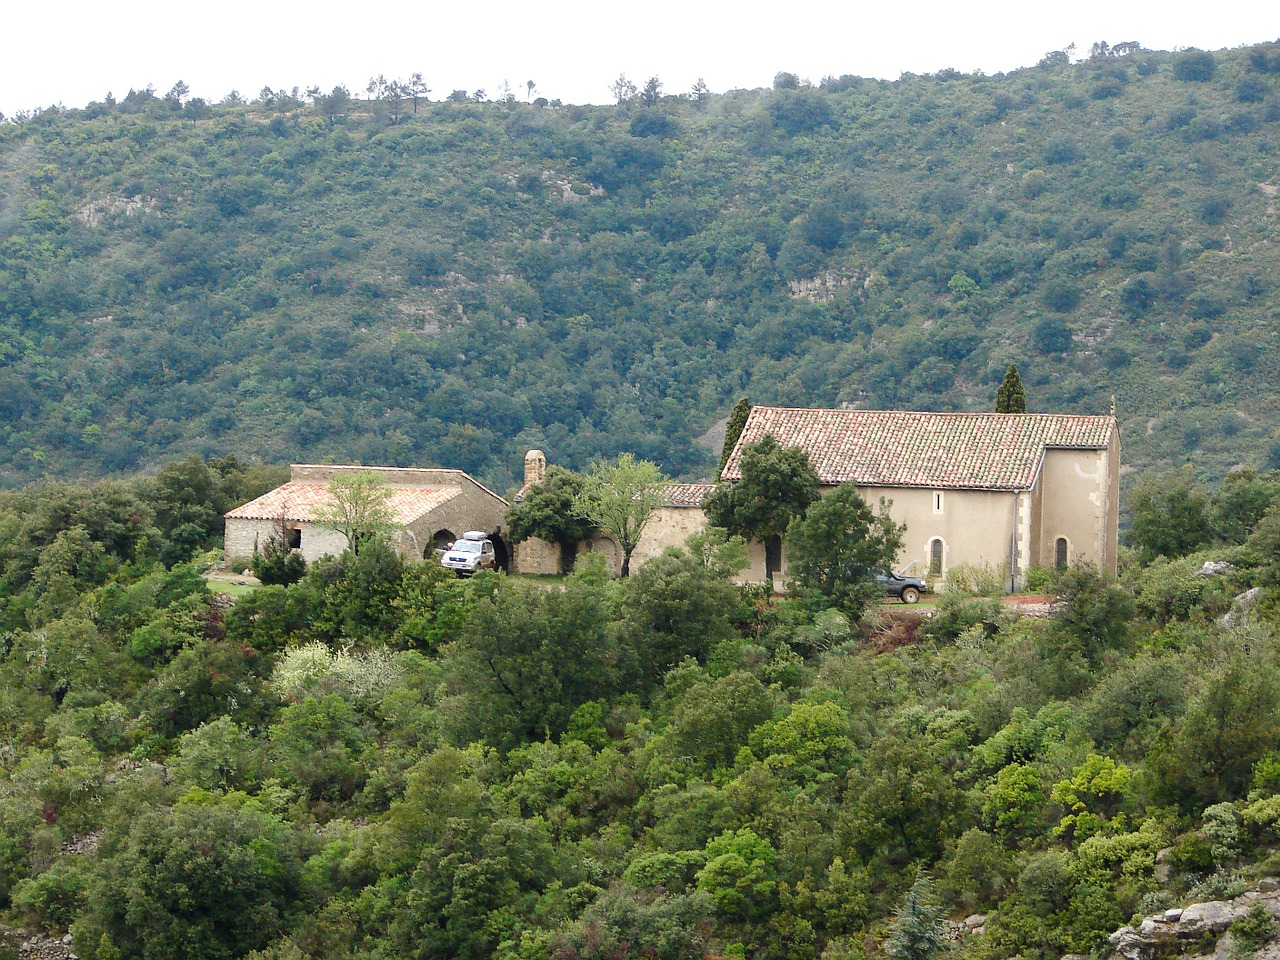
x=476 y=889
x=1093 y=615
x=358 y=507
x=681 y=604
x=740 y=876
x=528 y=657
x=713 y=719
x=550 y=510
x=360 y=590
x=272 y=616
x=901 y=805
x=917 y=932
x=275 y=563
x=1240 y=502
x=778 y=484
x=317 y=745
x=204 y=880
x=1169 y=514
x=836 y=548
x=1207 y=755
x=1094 y=798
x=620 y=497
x=1011 y=397
x=1013 y=802
x=1195 y=66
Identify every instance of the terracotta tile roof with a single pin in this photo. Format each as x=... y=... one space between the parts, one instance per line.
x=687 y=494
x=896 y=448
x=300 y=501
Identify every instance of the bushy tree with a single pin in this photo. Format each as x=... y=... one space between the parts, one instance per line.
x=203 y=880
x=620 y=497
x=835 y=549
x=917 y=932
x=682 y=603
x=357 y=507
x=1195 y=66
x=778 y=484
x=733 y=430
x=528 y=657
x=1169 y=514
x=551 y=510
x=275 y=562
x=1237 y=506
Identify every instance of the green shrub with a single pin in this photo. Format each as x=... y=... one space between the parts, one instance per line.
x=54 y=898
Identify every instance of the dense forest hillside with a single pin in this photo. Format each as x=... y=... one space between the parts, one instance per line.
x=372 y=759
x=411 y=282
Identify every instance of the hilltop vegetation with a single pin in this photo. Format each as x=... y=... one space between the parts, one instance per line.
x=452 y=283
x=380 y=760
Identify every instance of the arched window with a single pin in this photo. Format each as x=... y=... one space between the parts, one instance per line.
x=935 y=557
x=1060 y=557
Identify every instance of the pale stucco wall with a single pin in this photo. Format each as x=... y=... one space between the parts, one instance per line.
x=1078 y=490
x=975 y=526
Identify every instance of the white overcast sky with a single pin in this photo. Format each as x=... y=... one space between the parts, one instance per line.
x=75 y=51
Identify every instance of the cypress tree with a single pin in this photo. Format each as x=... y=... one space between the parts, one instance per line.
x=733 y=430
x=1011 y=398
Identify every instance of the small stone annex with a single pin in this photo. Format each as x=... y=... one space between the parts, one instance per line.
x=1011 y=491
x=432 y=508
x=669 y=526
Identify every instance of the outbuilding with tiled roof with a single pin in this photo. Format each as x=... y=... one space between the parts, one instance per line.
x=430 y=509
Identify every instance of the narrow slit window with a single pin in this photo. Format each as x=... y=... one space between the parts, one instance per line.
x=937 y=501
x=1060 y=557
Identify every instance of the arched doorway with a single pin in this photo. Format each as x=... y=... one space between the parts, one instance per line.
x=439 y=544
x=501 y=553
x=772 y=556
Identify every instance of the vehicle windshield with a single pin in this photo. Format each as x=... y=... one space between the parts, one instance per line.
x=468 y=546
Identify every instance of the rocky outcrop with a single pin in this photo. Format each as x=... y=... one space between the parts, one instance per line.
x=1241 y=607
x=27 y=945
x=1199 y=930
x=1215 y=568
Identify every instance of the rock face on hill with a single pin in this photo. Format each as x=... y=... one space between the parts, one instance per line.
x=1199 y=930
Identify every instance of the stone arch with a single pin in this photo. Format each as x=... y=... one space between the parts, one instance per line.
x=440 y=540
x=501 y=552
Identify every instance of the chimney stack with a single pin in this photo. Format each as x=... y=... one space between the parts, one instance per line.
x=535 y=467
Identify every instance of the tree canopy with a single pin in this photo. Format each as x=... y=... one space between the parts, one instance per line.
x=835 y=549
x=551 y=510
x=358 y=507
x=619 y=499
x=778 y=484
